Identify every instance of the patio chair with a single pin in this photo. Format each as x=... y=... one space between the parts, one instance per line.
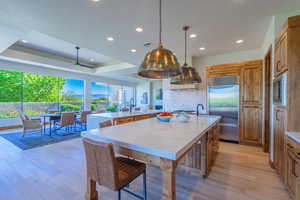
x=29 y=124
x=67 y=121
x=83 y=118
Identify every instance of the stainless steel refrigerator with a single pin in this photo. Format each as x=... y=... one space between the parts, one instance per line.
x=223 y=100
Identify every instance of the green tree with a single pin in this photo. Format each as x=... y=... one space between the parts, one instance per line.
x=38 y=88
x=10 y=86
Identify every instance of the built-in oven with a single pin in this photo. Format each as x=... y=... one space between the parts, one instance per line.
x=280 y=90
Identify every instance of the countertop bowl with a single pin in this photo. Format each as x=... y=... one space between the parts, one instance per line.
x=164 y=118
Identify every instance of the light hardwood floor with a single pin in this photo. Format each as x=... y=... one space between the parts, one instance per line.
x=57 y=172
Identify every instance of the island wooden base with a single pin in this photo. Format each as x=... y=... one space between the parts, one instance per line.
x=201 y=156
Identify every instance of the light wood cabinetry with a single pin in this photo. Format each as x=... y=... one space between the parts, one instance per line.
x=251 y=97
x=281 y=55
x=125 y=120
x=279 y=132
x=250 y=74
x=292 y=166
x=210 y=146
x=250 y=124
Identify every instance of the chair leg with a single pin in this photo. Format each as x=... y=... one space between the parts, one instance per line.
x=145 y=185
x=119 y=195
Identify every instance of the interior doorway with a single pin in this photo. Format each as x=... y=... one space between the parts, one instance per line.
x=267 y=99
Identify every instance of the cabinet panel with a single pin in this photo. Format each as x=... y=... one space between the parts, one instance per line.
x=281 y=55
x=279 y=141
x=251 y=125
x=251 y=82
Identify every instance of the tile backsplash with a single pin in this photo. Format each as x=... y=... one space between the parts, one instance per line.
x=183 y=99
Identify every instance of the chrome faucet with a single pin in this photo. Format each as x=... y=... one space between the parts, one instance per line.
x=131 y=104
x=198 y=108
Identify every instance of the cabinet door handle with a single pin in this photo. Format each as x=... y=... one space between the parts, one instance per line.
x=276 y=115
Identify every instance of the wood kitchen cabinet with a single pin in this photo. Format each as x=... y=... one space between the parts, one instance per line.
x=292 y=166
x=250 y=124
x=281 y=55
x=251 y=105
x=279 y=137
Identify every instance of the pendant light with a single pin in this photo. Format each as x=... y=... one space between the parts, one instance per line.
x=160 y=63
x=189 y=74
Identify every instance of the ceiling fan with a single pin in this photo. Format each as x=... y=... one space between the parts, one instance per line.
x=80 y=64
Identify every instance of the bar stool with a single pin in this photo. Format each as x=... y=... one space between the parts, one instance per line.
x=114 y=173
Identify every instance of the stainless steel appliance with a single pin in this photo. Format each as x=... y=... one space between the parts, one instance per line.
x=223 y=100
x=280 y=90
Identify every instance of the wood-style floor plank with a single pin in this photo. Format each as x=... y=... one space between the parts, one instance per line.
x=58 y=172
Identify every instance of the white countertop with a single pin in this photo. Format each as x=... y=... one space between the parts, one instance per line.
x=167 y=140
x=294 y=135
x=113 y=115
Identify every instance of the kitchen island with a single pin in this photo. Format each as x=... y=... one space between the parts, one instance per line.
x=93 y=120
x=162 y=144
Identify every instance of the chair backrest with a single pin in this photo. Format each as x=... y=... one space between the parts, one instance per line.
x=100 y=110
x=125 y=109
x=67 y=118
x=52 y=111
x=83 y=116
x=105 y=124
x=137 y=109
x=23 y=116
x=101 y=163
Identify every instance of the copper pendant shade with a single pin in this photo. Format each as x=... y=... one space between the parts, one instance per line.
x=189 y=74
x=160 y=63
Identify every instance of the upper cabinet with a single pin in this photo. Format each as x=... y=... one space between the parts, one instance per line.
x=281 y=55
x=251 y=84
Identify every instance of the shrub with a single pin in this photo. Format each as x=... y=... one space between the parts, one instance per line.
x=69 y=107
x=112 y=108
x=93 y=107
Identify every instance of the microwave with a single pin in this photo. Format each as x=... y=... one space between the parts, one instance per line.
x=280 y=90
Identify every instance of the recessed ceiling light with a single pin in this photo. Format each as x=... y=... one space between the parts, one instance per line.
x=92 y=60
x=24 y=41
x=110 y=38
x=239 y=41
x=139 y=29
x=202 y=48
x=193 y=35
x=133 y=50
x=95 y=0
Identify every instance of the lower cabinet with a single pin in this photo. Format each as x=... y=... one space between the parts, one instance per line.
x=292 y=168
x=251 y=123
x=279 y=137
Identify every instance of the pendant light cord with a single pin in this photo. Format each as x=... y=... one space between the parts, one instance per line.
x=185 y=47
x=77 y=52
x=160 y=22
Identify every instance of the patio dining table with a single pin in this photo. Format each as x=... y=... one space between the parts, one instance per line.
x=52 y=117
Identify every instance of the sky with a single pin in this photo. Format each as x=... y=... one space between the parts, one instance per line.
x=74 y=86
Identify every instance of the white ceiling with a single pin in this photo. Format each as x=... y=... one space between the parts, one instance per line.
x=217 y=23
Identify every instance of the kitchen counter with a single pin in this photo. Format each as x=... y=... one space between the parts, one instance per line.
x=167 y=140
x=294 y=135
x=93 y=120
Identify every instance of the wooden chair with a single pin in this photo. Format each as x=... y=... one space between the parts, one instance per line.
x=105 y=124
x=125 y=109
x=100 y=110
x=137 y=109
x=67 y=120
x=83 y=118
x=33 y=125
x=114 y=173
